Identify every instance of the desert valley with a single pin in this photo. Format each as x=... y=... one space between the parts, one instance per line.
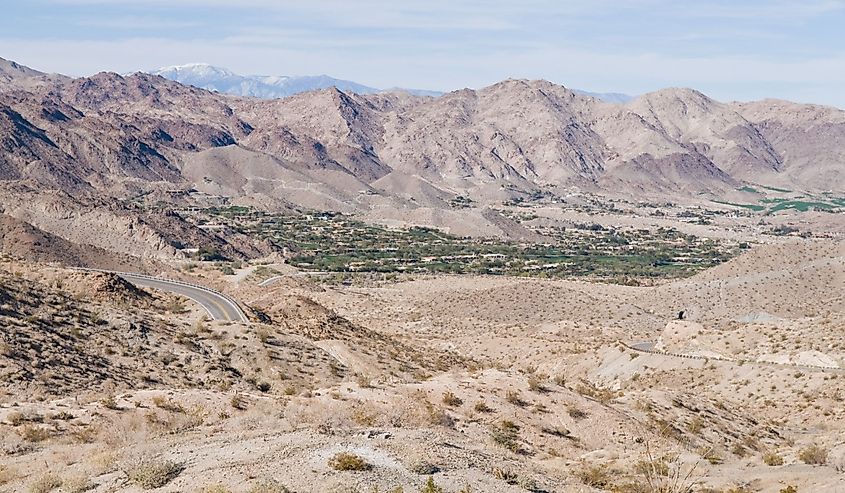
x=516 y=288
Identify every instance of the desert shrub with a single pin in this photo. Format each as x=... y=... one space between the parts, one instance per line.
x=506 y=435
x=16 y=418
x=34 y=434
x=163 y=402
x=772 y=459
x=514 y=398
x=696 y=425
x=345 y=461
x=45 y=484
x=7 y=474
x=63 y=416
x=215 y=488
x=537 y=384
x=430 y=487
x=109 y=402
x=423 y=468
x=558 y=431
x=814 y=455
x=738 y=450
x=150 y=473
x=482 y=407
x=576 y=413
x=789 y=489
x=77 y=484
x=268 y=486
x=652 y=468
x=601 y=394
x=364 y=382
x=596 y=476
x=451 y=400
x=238 y=402
x=505 y=475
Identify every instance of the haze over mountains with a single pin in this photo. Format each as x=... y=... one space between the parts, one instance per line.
x=219 y=79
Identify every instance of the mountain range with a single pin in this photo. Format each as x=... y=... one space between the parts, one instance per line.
x=222 y=80
x=78 y=155
x=225 y=81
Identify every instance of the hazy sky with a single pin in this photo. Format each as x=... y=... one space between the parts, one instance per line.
x=728 y=49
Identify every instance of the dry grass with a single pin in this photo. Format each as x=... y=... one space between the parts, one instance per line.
x=772 y=459
x=45 y=484
x=150 y=473
x=268 y=486
x=77 y=484
x=346 y=461
x=451 y=400
x=813 y=455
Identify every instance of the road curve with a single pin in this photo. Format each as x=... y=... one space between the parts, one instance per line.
x=218 y=305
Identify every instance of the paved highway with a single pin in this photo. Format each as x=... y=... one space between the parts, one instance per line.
x=218 y=305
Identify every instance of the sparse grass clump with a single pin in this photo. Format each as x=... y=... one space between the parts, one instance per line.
x=163 y=402
x=482 y=407
x=430 y=487
x=152 y=473
x=451 y=400
x=537 y=384
x=506 y=435
x=813 y=455
x=34 y=434
x=7 y=474
x=238 y=402
x=345 y=461
x=77 y=484
x=514 y=398
x=772 y=459
x=268 y=486
x=45 y=484
x=596 y=476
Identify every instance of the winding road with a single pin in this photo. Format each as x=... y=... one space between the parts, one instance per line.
x=218 y=305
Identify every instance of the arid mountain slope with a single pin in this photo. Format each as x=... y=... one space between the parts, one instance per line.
x=516 y=134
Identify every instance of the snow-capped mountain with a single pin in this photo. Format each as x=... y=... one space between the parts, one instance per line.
x=219 y=79
x=610 y=97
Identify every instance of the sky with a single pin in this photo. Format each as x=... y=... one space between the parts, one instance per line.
x=730 y=50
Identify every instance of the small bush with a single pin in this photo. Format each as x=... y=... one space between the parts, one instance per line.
x=7 y=474
x=772 y=459
x=238 y=402
x=430 y=487
x=152 y=473
x=514 y=398
x=451 y=400
x=345 y=461
x=576 y=413
x=268 y=486
x=423 y=468
x=813 y=455
x=45 y=484
x=77 y=484
x=163 y=402
x=482 y=407
x=109 y=402
x=216 y=488
x=34 y=434
x=652 y=468
x=789 y=489
x=536 y=384
x=506 y=435
x=595 y=477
